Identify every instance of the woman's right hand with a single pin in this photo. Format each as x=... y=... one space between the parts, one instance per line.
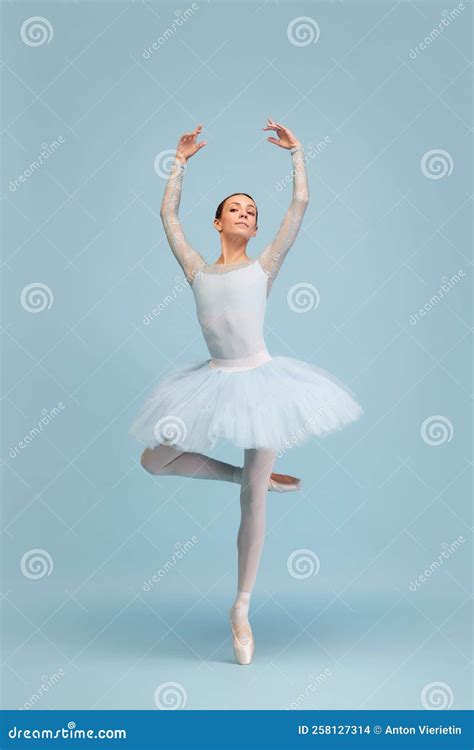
x=187 y=145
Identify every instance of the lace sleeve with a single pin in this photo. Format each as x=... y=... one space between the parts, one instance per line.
x=272 y=257
x=188 y=258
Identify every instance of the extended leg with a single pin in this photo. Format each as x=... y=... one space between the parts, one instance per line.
x=256 y=473
x=257 y=469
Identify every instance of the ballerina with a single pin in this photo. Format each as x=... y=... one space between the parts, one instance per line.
x=242 y=395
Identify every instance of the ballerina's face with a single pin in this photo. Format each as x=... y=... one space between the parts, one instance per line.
x=238 y=217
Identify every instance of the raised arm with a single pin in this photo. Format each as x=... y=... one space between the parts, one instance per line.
x=188 y=258
x=272 y=257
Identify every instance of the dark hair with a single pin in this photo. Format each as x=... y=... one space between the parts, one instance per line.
x=221 y=205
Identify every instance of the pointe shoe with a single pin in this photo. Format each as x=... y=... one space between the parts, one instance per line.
x=275 y=486
x=243 y=647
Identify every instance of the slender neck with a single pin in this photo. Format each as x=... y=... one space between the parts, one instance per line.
x=233 y=249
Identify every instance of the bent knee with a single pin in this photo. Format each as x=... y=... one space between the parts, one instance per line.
x=145 y=460
x=155 y=460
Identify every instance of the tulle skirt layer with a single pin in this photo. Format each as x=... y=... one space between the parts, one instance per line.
x=277 y=405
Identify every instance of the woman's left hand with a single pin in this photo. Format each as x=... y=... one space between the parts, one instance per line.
x=285 y=136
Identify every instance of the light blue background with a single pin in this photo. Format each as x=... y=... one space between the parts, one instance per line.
x=378 y=501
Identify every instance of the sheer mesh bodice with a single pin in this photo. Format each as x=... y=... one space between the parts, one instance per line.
x=231 y=299
x=270 y=259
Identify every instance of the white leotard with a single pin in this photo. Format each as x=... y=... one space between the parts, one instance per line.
x=231 y=299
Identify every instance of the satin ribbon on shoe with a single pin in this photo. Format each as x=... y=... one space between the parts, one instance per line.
x=243 y=647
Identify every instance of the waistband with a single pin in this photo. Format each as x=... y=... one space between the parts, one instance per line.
x=242 y=363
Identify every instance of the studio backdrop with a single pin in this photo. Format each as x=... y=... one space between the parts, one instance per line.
x=116 y=584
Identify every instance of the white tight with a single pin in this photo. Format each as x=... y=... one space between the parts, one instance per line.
x=166 y=460
x=258 y=464
x=256 y=471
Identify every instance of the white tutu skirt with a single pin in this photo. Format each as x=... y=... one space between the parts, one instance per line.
x=276 y=405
